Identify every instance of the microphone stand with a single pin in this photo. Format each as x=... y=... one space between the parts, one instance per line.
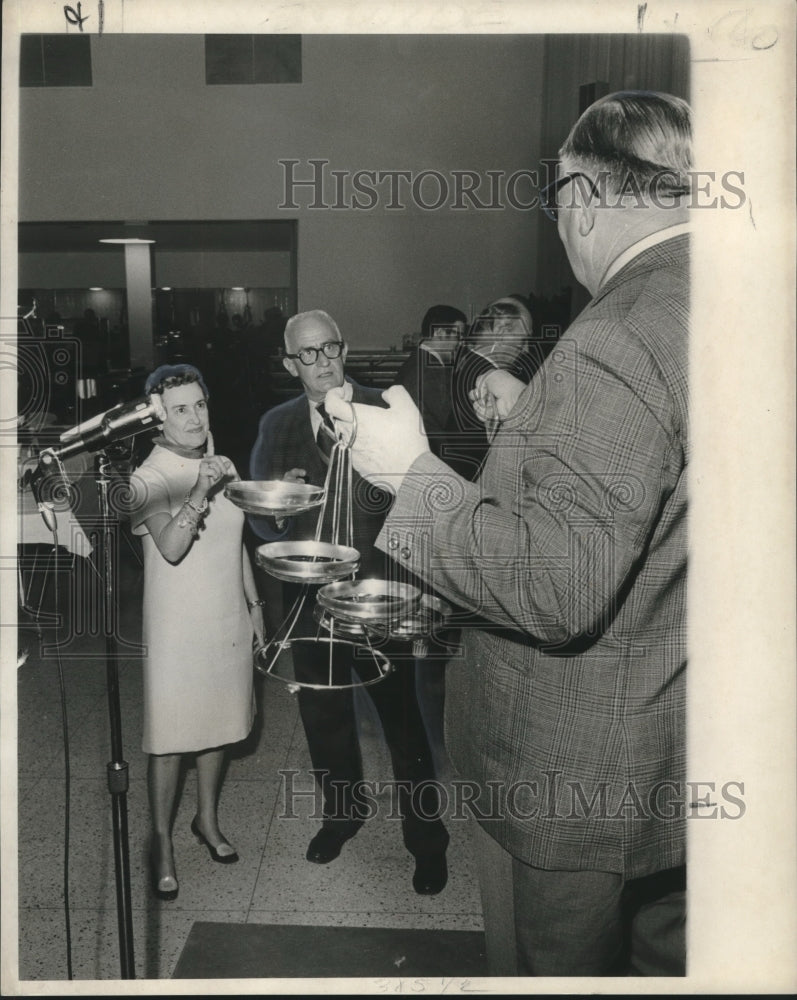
x=117 y=768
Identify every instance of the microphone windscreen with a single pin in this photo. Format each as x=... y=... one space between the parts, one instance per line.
x=77 y=431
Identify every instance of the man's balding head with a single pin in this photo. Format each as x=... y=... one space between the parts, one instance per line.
x=623 y=175
x=634 y=137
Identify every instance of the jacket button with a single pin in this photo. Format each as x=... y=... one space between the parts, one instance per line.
x=393 y=543
x=405 y=553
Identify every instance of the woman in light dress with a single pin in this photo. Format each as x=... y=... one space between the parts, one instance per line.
x=201 y=615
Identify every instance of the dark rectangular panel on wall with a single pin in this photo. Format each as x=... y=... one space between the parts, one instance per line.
x=228 y=59
x=252 y=59
x=278 y=59
x=55 y=61
x=588 y=93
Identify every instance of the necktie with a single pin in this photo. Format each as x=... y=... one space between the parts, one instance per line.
x=322 y=438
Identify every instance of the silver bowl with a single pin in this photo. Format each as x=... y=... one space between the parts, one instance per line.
x=308 y=561
x=430 y=615
x=338 y=626
x=275 y=497
x=369 y=600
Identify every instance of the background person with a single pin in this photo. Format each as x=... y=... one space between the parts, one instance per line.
x=428 y=375
x=201 y=613
x=500 y=337
x=292 y=444
x=427 y=372
x=572 y=546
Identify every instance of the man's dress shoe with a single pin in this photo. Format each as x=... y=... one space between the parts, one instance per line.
x=431 y=874
x=325 y=846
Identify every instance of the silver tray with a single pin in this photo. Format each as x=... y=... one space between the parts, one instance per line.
x=275 y=497
x=369 y=600
x=431 y=614
x=307 y=562
x=339 y=626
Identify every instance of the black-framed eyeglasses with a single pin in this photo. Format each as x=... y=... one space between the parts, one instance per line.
x=548 y=194
x=309 y=355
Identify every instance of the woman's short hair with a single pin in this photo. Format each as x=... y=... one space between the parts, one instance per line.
x=635 y=136
x=170 y=376
x=512 y=306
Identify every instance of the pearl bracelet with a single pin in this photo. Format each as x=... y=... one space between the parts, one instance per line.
x=189 y=518
x=203 y=506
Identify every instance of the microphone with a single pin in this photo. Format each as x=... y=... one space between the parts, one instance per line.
x=33 y=481
x=122 y=421
x=48 y=514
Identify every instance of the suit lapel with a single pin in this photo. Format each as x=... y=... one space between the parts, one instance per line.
x=303 y=440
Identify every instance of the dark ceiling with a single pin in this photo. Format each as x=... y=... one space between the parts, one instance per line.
x=74 y=237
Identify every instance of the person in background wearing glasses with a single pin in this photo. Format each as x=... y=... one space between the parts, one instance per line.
x=293 y=444
x=572 y=545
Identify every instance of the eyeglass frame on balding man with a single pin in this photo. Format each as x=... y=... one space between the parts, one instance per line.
x=548 y=193
x=331 y=349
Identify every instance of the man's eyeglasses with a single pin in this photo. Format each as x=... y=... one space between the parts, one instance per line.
x=309 y=355
x=548 y=194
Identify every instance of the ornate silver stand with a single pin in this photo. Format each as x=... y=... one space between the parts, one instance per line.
x=349 y=613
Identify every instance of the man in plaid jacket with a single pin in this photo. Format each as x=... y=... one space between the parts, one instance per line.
x=567 y=720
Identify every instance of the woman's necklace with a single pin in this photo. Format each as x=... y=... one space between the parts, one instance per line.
x=178 y=449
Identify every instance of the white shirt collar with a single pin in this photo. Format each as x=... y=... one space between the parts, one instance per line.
x=315 y=416
x=644 y=244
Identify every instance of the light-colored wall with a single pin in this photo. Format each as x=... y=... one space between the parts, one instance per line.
x=178 y=268
x=72 y=270
x=151 y=141
x=221 y=270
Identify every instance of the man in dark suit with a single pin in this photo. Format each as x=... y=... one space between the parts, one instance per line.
x=426 y=374
x=568 y=712
x=293 y=444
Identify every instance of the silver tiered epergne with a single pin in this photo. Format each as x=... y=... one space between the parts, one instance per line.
x=349 y=613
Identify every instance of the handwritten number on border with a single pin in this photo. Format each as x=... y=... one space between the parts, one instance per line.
x=75 y=16
x=735 y=28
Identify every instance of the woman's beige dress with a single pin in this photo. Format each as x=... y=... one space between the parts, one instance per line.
x=197 y=631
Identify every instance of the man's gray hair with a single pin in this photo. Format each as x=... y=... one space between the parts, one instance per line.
x=637 y=136
x=316 y=314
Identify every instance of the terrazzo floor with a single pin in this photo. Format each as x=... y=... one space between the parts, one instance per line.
x=369 y=885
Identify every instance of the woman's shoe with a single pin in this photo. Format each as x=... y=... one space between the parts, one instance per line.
x=164 y=886
x=223 y=859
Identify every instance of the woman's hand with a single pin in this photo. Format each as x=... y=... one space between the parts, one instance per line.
x=256 y=614
x=213 y=469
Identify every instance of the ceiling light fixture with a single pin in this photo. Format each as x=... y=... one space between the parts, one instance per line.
x=125 y=239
